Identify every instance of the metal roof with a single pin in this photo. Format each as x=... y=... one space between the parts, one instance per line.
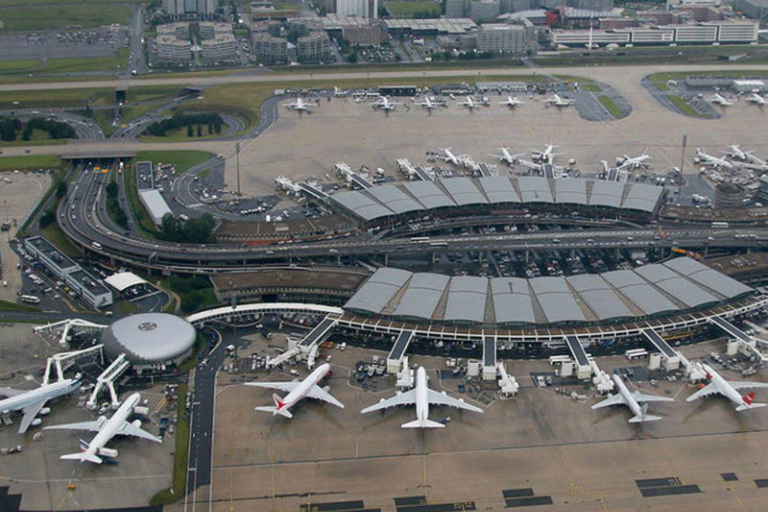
x=395 y=199
x=642 y=197
x=571 y=191
x=466 y=299
x=499 y=189
x=376 y=293
x=361 y=205
x=422 y=295
x=599 y=296
x=463 y=191
x=606 y=193
x=124 y=280
x=512 y=300
x=155 y=203
x=679 y=287
x=710 y=278
x=535 y=189
x=428 y=194
x=556 y=300
x=648 y=299
x=150 y=337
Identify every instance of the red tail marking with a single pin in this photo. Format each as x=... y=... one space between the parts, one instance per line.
x=749 y=398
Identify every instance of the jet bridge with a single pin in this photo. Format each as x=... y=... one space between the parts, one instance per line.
x=670 y=356
x=583 y=368
x=489 y=357
x=307 y=347
x=395 y=357
x=67 y=326
x=746 y=343
x=57 y=361
x=108 y=378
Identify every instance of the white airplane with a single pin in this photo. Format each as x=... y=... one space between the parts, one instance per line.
x=340 y=93
x=714 y=161
x=505 y=156
x=470 y=103
x=635 y=162
x=512 y=102
x=735 y=151
x=296 y=391
x=31 y=403
x=546 y=156
x=301 y=106
x=720 y=100
x=759 y=100
x=431 y=103
x=118 y=424
x=632 y=400
x=422 y=397
x=384 y=103
x=450 y=157
x=557 y=101
x=729 y=389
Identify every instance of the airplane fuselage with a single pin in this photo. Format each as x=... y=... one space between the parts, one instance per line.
x=45 y=392
x=422 y=400
x=723 y=386
x=302 y=389
x=627 y=396
x=113 y=424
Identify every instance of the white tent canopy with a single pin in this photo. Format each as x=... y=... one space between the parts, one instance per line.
x=124 y=280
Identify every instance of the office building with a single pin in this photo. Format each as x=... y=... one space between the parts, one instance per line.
x=313 y=47
x=484 y=10
x=508 y=39
x=359 y=8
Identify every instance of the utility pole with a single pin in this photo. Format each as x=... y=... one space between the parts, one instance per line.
x=682 y=169
x=237 y=151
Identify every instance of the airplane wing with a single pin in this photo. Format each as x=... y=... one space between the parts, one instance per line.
x=30 y=412
x=319 y=393
x=9 y=392
x=616 y=399
x=407 y=398
x=93 y=426
x=747 y=385
x=642 y=397
x=707 y=390
x=437 y=398
x=286 y=387
x=129 y=429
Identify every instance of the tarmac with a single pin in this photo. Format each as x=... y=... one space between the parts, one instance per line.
x=541 y=447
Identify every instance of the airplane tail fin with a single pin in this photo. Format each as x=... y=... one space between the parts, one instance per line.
x=83 y=456
x=279 y=408
x=422 y=424
x=749 y=402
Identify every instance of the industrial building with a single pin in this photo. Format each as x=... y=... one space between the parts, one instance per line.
x=155 y=204
x=150 y=341
x=65 y=269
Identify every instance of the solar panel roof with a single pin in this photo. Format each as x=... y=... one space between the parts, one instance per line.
x=463 y=191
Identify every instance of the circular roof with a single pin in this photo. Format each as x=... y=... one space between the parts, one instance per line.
x=149 y=337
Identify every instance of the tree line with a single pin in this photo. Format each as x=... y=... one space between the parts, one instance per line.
x=196 y=231
x=11 y=128
x=180 y=120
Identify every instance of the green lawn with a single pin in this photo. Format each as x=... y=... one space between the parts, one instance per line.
x=12 y=306
x=684 y=106
x=12 y=163
x=410 y=9
x=182 y=160
x=60 y=240
x=611 y=106
x=19 y=65
x=180 y=457
x=50 y=16
x=138 y=211
x=74 y=98
x=76 y=65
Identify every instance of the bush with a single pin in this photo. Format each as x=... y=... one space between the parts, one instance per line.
x=47 y=219
x=180 y=119
x=196 y=231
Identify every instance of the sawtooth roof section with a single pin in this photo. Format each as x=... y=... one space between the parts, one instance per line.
x=571 y=191
x=556 y=300
x=642 y=197
x=707 y=277
x=463 y=191
x=512 y=300
x=599 y=296
x=535 y=189
x=361 y=205
x=643 y=295
x=498 y=189
x=378 y=290
x=422 y=295
x=395 y=199
x=428 y=194
x=466 y=299
x=606 y=193
x=679 y=287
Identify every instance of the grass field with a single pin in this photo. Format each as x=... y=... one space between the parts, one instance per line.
x=684 y=106
x=52 y=16
x=410 y=9
x=182 y=160
x=61 y=98
x=12 y=163
x=19 y=65
x=611 y=106
x=12 y=306
x=180 y=457
x=60 y=240
x=138 y=211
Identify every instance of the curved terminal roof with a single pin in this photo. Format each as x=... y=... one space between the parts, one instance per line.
x=149 y=337
x=386 y=200
x=679 y=285
x=124 y=280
